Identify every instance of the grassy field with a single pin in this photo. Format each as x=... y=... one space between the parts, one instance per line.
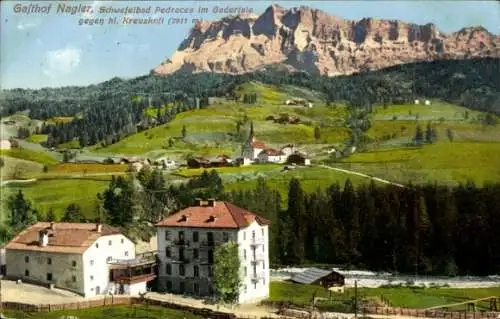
x=445 y=162
x=311 y=178
x=405 y=297
x=109 y=312
x=22 y=168
x=191 y=172
x=29 y=155
x=59 y=193
x=210 y=131
x=37 y=138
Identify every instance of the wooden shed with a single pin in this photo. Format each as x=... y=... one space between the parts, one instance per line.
x=322 y=277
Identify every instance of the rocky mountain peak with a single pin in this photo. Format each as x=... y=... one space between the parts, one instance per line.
x=311 y=40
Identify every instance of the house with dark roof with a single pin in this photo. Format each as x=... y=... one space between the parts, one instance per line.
x=85 y=258
x=187 y=239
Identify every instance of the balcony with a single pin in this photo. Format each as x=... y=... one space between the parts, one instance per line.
x=177 y=260
x=254 y=259
x=255 y=277
x=205 y=261
x=257 y=241
x=207 y=244
x=181 y=242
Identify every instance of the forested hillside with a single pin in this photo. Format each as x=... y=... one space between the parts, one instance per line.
x=108 y=112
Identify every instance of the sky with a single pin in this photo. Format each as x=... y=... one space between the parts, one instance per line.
x=48 y=49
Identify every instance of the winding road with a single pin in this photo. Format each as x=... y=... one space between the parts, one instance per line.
x=362 y=175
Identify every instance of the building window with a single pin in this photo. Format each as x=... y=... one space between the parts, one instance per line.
x=245 y=271
x=253 y=234
x=168 y=269
x=244 y=235
x=122 y=240
x=196 y=271
x=168 y=252
x=195 y=253
x=264 y=281
x=110 y=242
x=167 y=235
x=27 y=273
x=49 y=261
x=210 y=272
x=262 y=230
x=255 y=286
x=49 y=276
x=73 y=263
x=73 y=278
x=182 y=270
x=182 y=287
x=225 y=237
x=263 y=249
x=181 y=236
x=96 y=245
x=126 y=254
x=263 y=265
x=245 y=288
x=91 y=277
x=245 y=254
x=196 y=288
x=210 y=256
x=195 y=236
x=169 y=286
x=210 y=238
x=26 y=259
x=92 y=263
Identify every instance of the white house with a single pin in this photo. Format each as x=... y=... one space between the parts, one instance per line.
x=186 y=243
x=166 y=162
x=270 y=155
x=427 y=102
x=75 y=256
x=5 y=145
x=288 y=150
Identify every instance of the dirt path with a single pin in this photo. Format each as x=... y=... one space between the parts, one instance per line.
x=362 y=175
x=245 y=310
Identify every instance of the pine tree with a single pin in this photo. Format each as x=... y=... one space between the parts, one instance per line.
x=297 y=212
x=184 y=131
x=317 y=133
x=73 y=214
x=419 y=135
x=51 y=216
x=21 y=212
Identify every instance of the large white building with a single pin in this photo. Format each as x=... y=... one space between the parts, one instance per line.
x=89 y=259
x=186 y=243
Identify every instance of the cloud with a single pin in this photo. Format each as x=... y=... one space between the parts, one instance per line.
x=25 y=25
x=62 y=61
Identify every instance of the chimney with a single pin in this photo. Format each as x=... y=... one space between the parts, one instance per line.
x=211 y=202
x=43 y=238
x=98 y=228
x=51 y=225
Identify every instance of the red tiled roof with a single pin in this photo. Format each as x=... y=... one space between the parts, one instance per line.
x=226 y=215
x=271 y=152
x=72 y=238
x=258 y=144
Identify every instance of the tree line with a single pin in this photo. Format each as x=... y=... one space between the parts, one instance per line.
x=429 y=229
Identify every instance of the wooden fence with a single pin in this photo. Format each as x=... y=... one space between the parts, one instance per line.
x=388 y=311
x=109 y=301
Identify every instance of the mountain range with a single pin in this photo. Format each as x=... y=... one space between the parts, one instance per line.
x=307 y=39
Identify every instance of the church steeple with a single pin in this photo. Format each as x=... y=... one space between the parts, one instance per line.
x=251 y=135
